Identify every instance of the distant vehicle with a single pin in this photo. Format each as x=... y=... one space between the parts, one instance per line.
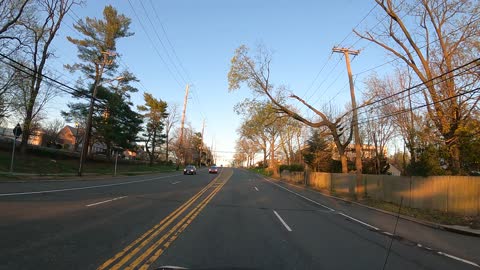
x=213 y=169
x=190 y=169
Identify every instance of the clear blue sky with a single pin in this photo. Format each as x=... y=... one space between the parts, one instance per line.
x=204 y=35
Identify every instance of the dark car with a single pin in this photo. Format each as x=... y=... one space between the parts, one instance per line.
x=213 y=169
x=190 y=169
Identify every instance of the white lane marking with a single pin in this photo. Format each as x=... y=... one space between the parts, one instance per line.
x=301 y=196
x=282 y=221
x=111 y=200
x=458 y=259
x=368 y=225
x=256 y=189
x=87 y=187
x=176 y=182
x=387 y=233
x=359 y=221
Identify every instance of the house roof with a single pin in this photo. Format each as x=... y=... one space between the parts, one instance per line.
x=73 y=130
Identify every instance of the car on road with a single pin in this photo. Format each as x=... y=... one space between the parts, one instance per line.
x=190 y=169
x=213 y=169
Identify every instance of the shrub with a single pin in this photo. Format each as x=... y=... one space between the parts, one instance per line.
x=292 y=168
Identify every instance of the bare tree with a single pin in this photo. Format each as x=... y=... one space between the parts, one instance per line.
x=10 y=13
x=41 y=33
x=7 y=80
x=289 y=139
x=51 y=131
x=433 y=37
x=255 y=72
x=262 y=126
x=170 y=121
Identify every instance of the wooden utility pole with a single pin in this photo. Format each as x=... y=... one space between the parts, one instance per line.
x=356 y=132
x=182 y=124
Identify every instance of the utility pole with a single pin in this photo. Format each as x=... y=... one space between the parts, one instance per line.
x=356 y=132
x=182 y=150
x=98 y=77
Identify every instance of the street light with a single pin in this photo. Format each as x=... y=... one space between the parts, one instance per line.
x=88 y=127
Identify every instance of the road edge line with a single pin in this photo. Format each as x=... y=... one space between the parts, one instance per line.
x=282 y=221
x=301 y=196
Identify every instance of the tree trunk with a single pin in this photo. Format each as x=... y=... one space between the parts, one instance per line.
x=264 y=157
x=27 y=125
x=454 y=151
x=273 y=163
x=343 y=159
x=166 y=148
x=109 y=151
x=154 y=142
x=377 y=159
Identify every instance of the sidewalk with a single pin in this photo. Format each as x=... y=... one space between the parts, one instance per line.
x=431 y=236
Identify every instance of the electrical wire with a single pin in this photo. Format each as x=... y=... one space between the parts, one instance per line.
x=418 y=107
x=22 y=68
x=162 y=44
x=153 y=44
x=170 y=43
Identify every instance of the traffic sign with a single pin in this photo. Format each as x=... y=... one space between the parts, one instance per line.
x=17 y=131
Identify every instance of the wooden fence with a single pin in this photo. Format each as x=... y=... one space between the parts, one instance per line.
x=452 y=194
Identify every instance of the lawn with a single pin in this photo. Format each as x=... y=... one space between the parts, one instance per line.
x=35 y=164
x=424 y=214
x=262 y=171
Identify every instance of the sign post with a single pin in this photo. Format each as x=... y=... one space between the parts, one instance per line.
x=116 y=160
x=17 y=131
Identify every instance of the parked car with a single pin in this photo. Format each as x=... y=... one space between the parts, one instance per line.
x=213 y=169
x=190 y=169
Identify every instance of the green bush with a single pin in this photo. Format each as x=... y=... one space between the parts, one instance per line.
x=292 y=168
x=262 y=171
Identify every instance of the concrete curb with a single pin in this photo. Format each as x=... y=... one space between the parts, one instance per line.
x=438 y=226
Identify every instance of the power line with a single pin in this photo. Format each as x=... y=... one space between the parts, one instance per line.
x=419 y=84
x=161 y=43
x=420 y=89
x=318 y=74
x=358 y=24
x=324 y=80
x=345 y=38
x=130 y=70
x=168 y=40
x=21 y=67
x=196 y=97
x=328 y=87
x=420 y=106
x=441 y=76
x=421 y=47
x=153 y=44
x=330 y=57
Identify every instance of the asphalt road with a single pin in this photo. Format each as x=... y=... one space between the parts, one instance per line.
x=234 y=219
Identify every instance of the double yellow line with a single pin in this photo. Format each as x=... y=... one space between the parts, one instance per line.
x=156 y=248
